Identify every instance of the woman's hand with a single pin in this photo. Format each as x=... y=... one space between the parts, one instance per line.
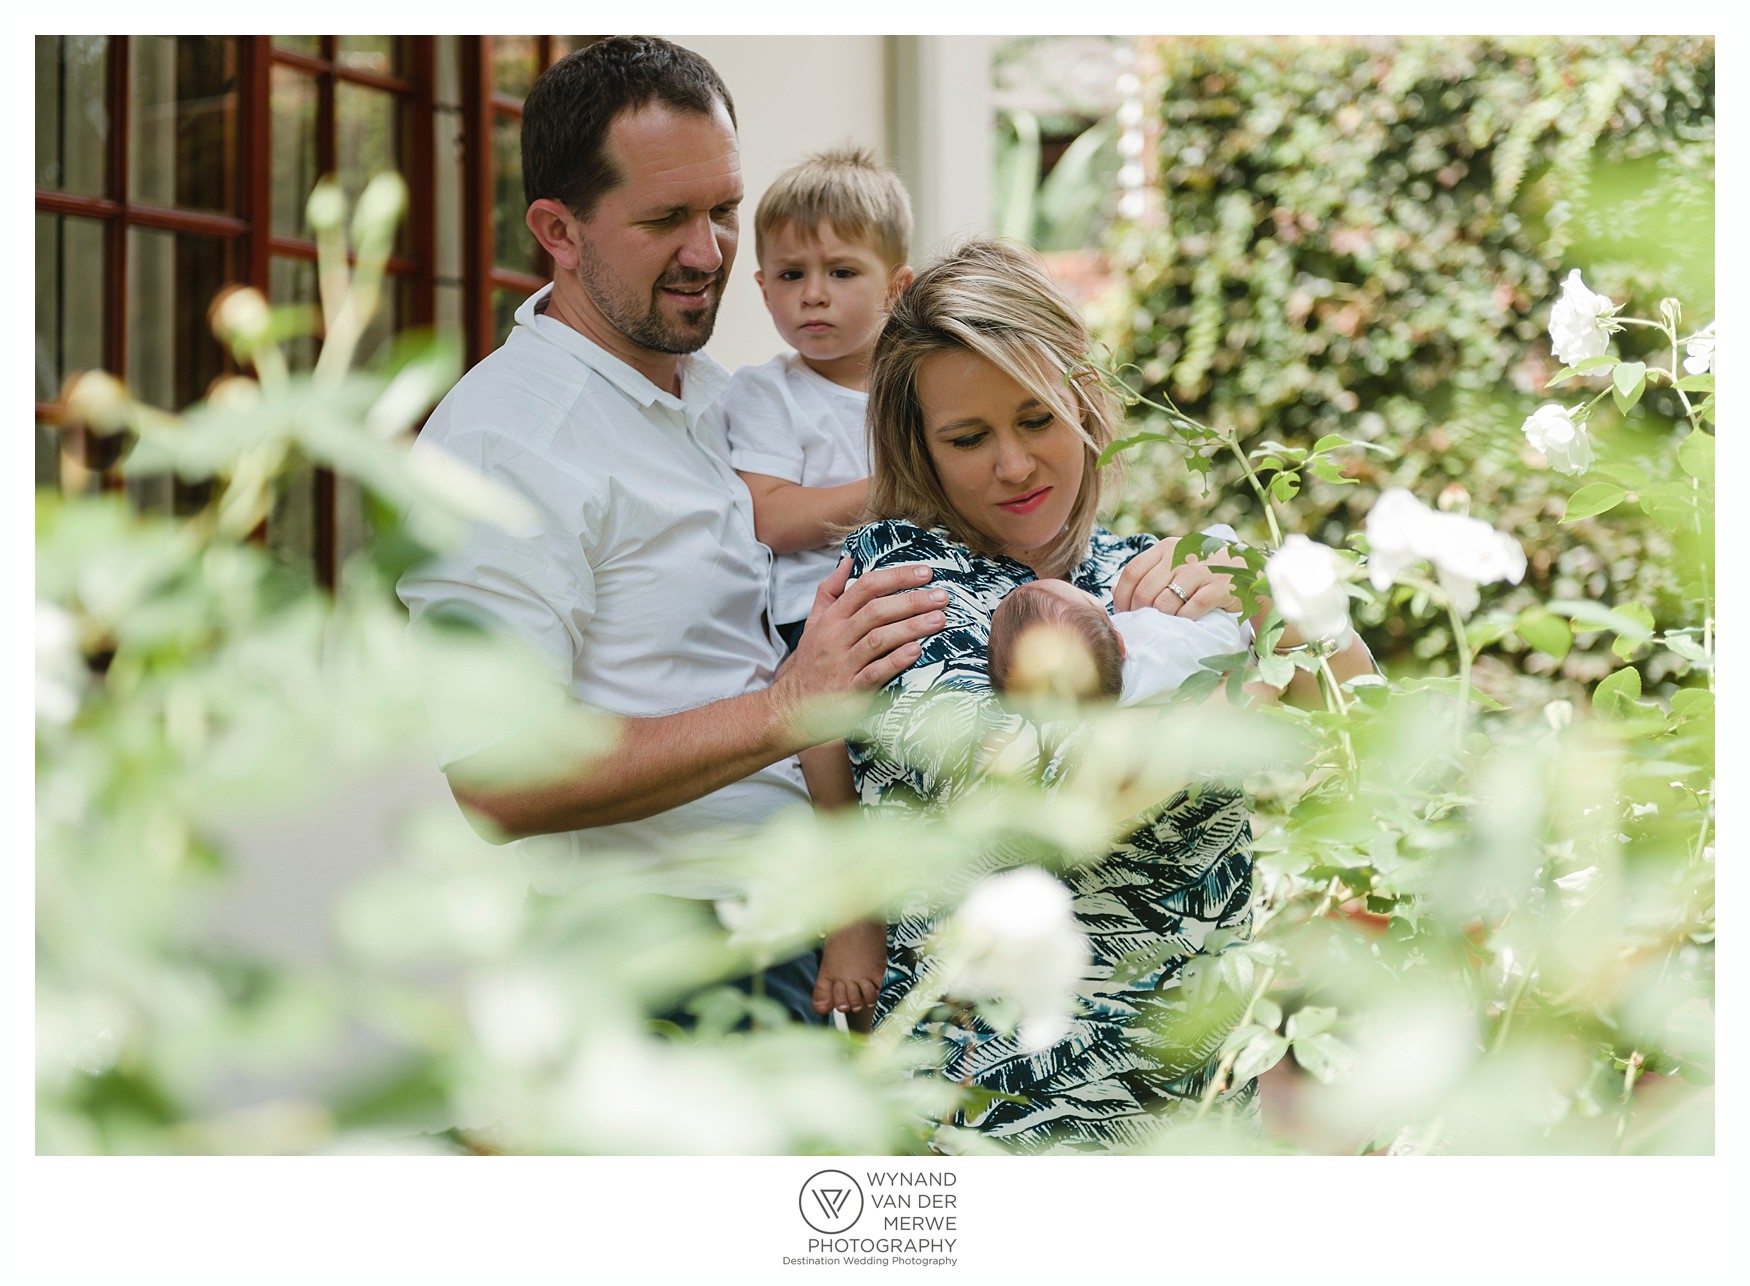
x=1192 y=589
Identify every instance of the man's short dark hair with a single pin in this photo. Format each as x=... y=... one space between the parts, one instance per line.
x=568 y=113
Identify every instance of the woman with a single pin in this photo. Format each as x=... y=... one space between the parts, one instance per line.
x=984 y=432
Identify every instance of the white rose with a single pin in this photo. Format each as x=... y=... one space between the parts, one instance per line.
x=1395 y=538
x=1581 y=321
x=1015 y=939
x=1306 y=580
x=1465 y=551
x=1699 y=352
x=60 y=673
x=1553 y=430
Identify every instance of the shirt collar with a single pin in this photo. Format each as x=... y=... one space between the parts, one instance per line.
x=702 y=379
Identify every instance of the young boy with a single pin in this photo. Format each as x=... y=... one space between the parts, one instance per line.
x=831 y=236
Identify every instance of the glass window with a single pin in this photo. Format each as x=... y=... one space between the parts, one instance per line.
x=172 y=278
x=367 y=140
x=516 y=61
x=182 y=122
x=294 y=150
x=72 y=113
x=380 y=55
x=311 y=45
x=513 y=245
x=70 y=306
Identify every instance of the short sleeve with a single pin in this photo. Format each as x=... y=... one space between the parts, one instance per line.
x=759 y=423
x=536 y=585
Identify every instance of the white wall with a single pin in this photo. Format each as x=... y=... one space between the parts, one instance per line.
x=793 y=95
x=922 y=102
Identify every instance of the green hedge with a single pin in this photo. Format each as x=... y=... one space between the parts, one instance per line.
x=1364 y=236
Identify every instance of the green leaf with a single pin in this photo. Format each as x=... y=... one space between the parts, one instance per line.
x=1626 y=644
x=1695 y=456
x=1330 y=472
x=1596 y=616
x=1593 y=498
x=1628 y=381
x=1324 y=1057
x=1310 y=1021
x=1672 y=504
x=1260 y=1054
x=1274 y=669
x=1615 y=694
x=1267 y=1013
x=1480 y=631
x=1693 y=703
x=1450 y=687
x=1285 y=486
x=1696 y=384
x=1545 y=631
x=1583 y=367
x=1134 y=440
x=1687 y=648
x=1330 y=442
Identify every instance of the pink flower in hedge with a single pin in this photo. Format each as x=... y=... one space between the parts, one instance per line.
x=1553 y=430
x=1581 y=322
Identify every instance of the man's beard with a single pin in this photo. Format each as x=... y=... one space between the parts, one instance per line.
x=642 y=320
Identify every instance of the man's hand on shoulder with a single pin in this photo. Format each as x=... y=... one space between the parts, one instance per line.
x=859 y=638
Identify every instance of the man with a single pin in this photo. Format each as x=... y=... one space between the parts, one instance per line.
x=644 y=587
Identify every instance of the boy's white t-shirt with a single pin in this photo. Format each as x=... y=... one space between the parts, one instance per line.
x=785 y=421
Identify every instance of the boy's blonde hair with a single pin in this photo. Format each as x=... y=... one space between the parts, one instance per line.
x=992 y=298
x=862 y=199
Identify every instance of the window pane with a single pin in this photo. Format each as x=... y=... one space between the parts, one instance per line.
x=294 y=150
x=513 y=246
x=300 y=44
x=293 y=281
x=514 y=64
x=182 y=122
x=367 y=140
x=69 y=300
x=72 y=113
x=504 y=306
x=291 y=522
x=172 y=278
x=379 y=54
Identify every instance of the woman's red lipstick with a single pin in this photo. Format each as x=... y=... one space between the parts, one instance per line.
x=1025 y=504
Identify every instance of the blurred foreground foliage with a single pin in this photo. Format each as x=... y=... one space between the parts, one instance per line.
x=1478 y=930
x=1363 y=236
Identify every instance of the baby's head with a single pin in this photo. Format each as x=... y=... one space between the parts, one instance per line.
x=832 y=235
x=1054 y=608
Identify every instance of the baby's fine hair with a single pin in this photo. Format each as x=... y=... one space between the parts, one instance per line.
x=1028 y=606
x=847 y=187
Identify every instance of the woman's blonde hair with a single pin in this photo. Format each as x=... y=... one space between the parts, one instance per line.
x=994 y=299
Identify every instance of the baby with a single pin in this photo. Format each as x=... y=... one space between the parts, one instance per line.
x=1137 y=657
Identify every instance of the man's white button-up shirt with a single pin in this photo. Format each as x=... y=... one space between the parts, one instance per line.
x=644 y=586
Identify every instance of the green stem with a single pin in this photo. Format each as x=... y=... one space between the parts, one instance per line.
x=1630 y=1075
x=1335 y=703
x=1518 y=995
x=1465 y=658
